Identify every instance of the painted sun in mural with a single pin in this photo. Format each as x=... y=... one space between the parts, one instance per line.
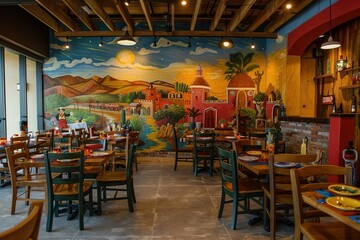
x=125 y=57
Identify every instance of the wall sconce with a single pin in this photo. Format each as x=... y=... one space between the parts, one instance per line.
x=18 y=86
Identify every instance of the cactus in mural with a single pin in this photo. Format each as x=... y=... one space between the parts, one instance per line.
x=181 y=87
x=239 y=63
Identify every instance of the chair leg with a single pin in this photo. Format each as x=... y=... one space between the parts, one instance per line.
x=133 y=191
x=91 y=203
x=28 y=191
x=14 y=198
x=99 y=209
x=221 y=209
x=50 y=215
x=234 y=213
x=81 y=213
x=129 y=197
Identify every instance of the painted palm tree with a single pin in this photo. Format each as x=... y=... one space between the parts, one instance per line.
x=239 y=63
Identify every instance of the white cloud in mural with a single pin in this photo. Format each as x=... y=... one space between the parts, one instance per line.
x=57 y=64
x=144 y=51
x=200 y=51
x=113 y=62
x=64 y=39
x=279 y=39
x=163 y=42
x=57 y=46
x=77 y=61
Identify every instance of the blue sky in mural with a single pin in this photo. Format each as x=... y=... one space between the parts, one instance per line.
x=85 y=58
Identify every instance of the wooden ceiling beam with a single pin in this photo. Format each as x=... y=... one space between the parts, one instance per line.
x=240 y=14
x=98 y=10
x=195 y=15
x=168 y=34
x=172 y=18
x=272 y=7
x=80 y=13
x=286 y=15
x=219 y=11
x=120 y=5
x=42 y=16
x=51 y=6
x=146 y=9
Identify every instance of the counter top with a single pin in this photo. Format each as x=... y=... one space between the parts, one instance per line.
x=305 y=119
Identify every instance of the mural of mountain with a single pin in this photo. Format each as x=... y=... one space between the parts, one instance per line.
x=71 y=86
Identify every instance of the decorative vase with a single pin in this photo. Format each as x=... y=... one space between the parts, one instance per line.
x=192 y=125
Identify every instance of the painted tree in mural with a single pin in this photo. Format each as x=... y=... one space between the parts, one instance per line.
x=238 y=63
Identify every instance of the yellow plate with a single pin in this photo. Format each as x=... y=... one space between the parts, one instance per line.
x=254 y=153
x=344 y=203
x=344 y=190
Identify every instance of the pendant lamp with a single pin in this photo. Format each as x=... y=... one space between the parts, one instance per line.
x=330 y=44
x=126 y=40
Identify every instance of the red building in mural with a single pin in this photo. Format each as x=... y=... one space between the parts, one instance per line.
x=240 y=91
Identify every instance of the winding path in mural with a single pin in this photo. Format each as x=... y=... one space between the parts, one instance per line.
x=150 y=122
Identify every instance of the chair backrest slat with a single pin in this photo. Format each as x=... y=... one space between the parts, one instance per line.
x=228 y=167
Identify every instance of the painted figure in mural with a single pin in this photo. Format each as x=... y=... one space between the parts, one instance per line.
x=61 y=117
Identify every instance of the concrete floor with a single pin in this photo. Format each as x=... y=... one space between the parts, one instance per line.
x=170 y=205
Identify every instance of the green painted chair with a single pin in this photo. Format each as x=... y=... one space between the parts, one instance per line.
x=182 y=154
x=68 y=187
x=238 y=189
x=204 y=152
x=118 y=181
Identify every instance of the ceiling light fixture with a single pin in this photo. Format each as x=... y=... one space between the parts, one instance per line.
x=101 y=42
x=127 y=2
x=189 y=43
x=288 y=6
x=330 y=44
x=183 y=3
x=126 y=40
x=225 y=42
x=154 y=44
x=67 y=46
x=252 y=44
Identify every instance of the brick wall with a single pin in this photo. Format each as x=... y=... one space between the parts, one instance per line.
x=317 y=134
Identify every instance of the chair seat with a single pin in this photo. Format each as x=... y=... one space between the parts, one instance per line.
x=111 y=176
x=326 y=230
x=246 y=186
x=186 y=149
x=71 y=189
x=35 y=179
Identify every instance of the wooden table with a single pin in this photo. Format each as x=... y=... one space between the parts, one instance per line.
x=258 y=167
x=98 y=162
x=311 y=199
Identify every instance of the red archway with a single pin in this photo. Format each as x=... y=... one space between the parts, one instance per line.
x=301 y=37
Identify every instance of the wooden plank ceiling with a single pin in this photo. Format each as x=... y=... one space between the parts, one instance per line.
x=233 y=18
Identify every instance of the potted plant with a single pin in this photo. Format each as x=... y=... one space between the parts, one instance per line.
x=223 y=123
x=193 y=113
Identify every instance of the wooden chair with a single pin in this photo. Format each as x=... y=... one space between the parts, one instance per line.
x=204 y=151
x=121 y=150
x=21 y=176
x=108 y=180
x=25 y=139
x=94 y=144
x=243 y=145
x=183 y=154
x=278 y=195
x=318 y=230
x=27 y=228
x=44 y=141
x=238 y=189
x=69 y=186
x=64 y=141
x=79 y=135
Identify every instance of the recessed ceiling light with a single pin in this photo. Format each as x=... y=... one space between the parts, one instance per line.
x=183 y=2
x=288 y=6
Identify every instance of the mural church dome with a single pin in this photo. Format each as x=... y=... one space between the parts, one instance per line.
x=199 y=80
x=241 y=80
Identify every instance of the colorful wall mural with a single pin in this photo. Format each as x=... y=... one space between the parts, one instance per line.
x=155 y=82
